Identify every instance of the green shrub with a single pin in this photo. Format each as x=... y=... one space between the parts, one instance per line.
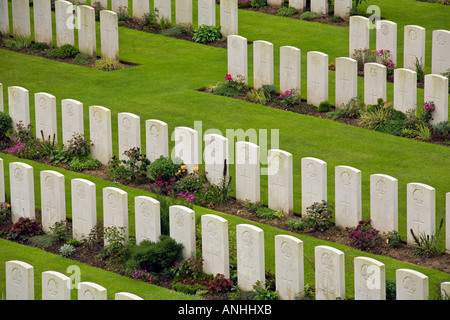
x=6 y=124
x=318 y=216
x=393 y=238
x=391 y=289
x=205 y=34
x=51 y=53
x=134 y=168
x=375 y=115
x=264 y=212
x=39 y=46
x=43 y=240
x=286 y=11
x=324 y=106
x=289 y=98
x=180 y=29
x=18 y=43
x=258 y=3
x=81 y=59
x=164 y=168
x=82 y=164
x=308 y=15
x=195 y=288
x=66 y=51
x=154 y=256
x=231 y=87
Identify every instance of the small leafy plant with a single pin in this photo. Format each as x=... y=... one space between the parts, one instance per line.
x=206 y=34
x=427 y=245
x=23 y=229
x=66 y=250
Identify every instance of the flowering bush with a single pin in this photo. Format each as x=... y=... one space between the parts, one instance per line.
x=289 y=98
x=231 y=87
x=27 y=150
x=142 y=275
x=384 y=57
x=363 y=235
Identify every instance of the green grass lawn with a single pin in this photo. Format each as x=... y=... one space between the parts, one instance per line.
x=164 y=86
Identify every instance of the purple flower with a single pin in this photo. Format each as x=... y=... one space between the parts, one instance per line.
x=228 y=77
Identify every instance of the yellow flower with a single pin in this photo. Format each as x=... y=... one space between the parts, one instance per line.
x=183 y=167
x=195 y=169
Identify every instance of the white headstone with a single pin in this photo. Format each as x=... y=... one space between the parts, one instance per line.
x=163 y=8
x=289 y=271
x=55 y=286
x=375 y=78
x=115 y=210
x=2 y=107
x=157 y=139
x=109 y=34
x=2 y=181
x=186 y=147
x=280 y=181
x=87 y=43
x=275 y=3
x=147 y=219
x=216 y=158
x=247 y=171
x=445 y=290
x=45 y=116
x=370 y=279
x=346 y=82
x=140 y=8
x=290 y=69
x=100 y=133
x=182 y=228
x=215 y=251
x=84 y=208
x=237 y=57
x=250 y=256
x=262 y=63
x=347 y=196
x=342 y=8
x=411 y=285
x=19 y=105
x=440 y=60
x=72 y=119
x=22 y=191
x=317 y=77
x=384 y=202
x=183 y=12
x=414 y=47
x=447 y=222
x=91 y=291
x=207 y=13
x=4 y=18
x=358 y=34
x=228 y=17
x=386 y=38
x=320 y=6
x=436 y=90
x=329 y=273
x=21 y=18
x=420 y=210
x=314 y=181
x=129 y=133
x=53 y=199
x=126 y=296
x=43 y=22
x=405 y=89
x=19 y=280
x=119 y=5
x=64 y=23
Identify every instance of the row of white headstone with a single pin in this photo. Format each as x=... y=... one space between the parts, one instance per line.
x=55 y=285
x=346 y=77
x=65 y=25
x=246 y=157
x=329 y=266
x=342 y=8
x=413 y=43
x=183 y=12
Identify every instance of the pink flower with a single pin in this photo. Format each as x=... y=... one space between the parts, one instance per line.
x=280 y=96
x=228 y=77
